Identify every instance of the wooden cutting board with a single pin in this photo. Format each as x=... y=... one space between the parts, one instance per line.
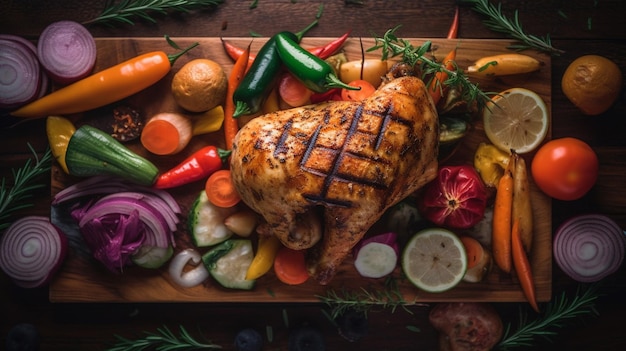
x=81 y=279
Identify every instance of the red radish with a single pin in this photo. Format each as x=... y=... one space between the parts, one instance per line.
x=377 y=256
x=67 y=51
x=32 y=250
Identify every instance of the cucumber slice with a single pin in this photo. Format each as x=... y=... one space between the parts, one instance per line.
x=206 y=222
x=152 y=256
x=376 y=260
x=228 y=263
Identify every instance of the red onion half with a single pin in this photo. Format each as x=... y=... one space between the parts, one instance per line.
x=67 y=51
x=589 y=247
x=21 y=78
x=32 y=250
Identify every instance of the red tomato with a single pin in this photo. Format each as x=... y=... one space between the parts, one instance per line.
x=565 y=168
x=366 y=90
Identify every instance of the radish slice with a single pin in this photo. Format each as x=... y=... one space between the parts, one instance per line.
x=589 y=247
x=67 y=51
x=376 y=260
x=31 y=251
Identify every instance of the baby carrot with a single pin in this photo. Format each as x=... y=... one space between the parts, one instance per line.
x=522 y=266
x=501 y=233
x=522 y=207
x=231 y=126
x=435 y=88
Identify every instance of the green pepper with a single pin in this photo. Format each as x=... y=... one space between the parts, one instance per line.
x=257 y=84
x=315 y=73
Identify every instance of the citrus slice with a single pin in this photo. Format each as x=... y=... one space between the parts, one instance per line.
x=516 y=119
x=434 y=260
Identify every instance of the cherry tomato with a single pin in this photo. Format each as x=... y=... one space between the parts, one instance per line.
x=220 y=189
x=366 y=90
x=565 y=168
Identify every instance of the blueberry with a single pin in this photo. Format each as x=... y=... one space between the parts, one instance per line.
x=353 y=325
x=306 y=339
x=248 y=340
x=23 y=337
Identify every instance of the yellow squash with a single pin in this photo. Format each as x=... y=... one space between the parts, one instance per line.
x=264 y=258
x=59 y=131
x=503 y=65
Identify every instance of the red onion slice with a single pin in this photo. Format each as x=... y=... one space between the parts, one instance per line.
x=31 y=251
x=20 y=74
x=67 y=51
x=589 y=247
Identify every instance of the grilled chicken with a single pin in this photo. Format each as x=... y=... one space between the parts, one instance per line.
x=322 y=175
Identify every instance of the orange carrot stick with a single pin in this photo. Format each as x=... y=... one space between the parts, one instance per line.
x=435 y=88
x=522 y=206
x=501 y=233
x=231 y=125
x=522 y=266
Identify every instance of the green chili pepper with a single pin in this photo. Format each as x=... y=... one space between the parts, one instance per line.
x=262 y=74
x=315 y=73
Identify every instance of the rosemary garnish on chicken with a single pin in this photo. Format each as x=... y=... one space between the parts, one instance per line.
x=416 y=56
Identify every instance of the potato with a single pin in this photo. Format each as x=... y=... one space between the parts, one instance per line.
x=373 y=70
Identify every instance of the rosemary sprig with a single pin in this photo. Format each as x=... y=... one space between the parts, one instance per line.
x=12 y=198
x=557 y=314
x=127 y=10
x=162 y=340
x=498 y=22
x=393 y=46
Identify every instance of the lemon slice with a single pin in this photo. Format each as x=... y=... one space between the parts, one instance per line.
x=434 y=260
x=516 y=119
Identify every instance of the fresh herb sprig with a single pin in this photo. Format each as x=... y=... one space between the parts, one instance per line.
x=163 y=340
x=557 y=314
x=126 y=11
x=12 y=198
x=498 y=22
x=392 y=46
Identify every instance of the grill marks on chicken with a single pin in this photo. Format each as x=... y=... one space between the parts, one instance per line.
x=340 y=163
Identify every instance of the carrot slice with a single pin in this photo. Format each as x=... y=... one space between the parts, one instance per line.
x=166 y=133
x=220 y=189
x=474 y=251
x=293 y=92
x=367 y=89
x=290 y=266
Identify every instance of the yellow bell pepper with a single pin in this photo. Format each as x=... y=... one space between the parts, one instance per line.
x=59 y=131
x=490 y=162
x=264 y=258
x=208 y=122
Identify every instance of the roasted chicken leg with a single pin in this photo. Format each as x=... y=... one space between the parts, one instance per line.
x=341 y=163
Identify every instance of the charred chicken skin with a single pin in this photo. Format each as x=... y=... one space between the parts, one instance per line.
x=322 y=175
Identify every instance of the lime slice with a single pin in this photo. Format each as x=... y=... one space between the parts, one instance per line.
x=516 y=119
x=434 y=260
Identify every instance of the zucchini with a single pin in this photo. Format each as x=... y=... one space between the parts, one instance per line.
x=152 y=256
x=91 y=151
x=206 y=222
x=228 y=263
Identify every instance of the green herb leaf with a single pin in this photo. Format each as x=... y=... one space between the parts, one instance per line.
x=163 y=340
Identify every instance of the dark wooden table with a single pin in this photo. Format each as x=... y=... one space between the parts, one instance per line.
x=578 y=27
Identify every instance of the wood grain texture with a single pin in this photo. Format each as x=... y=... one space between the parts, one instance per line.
x=82 y=280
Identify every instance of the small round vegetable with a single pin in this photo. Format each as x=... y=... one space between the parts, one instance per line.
x=20 y=73
x=67 y=51
x=456 y=199
x=31 y=251
x=589 y=247
x=367 y=89
x=220 y=189
x=166 y=133
x=375 y=260
x=371 y=70
x=23 y=337
x=306 y=338
x=248 y=340
x=290 y=266
x=565 y=168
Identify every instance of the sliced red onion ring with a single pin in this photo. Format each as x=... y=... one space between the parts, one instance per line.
x=67 y=51
x=20 y=73
x=589 y=247
x=32 y=250
x=190 y=278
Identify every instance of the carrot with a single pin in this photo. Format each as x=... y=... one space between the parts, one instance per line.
x=290 y=266
x=435 y=88
x=367 y=89
x=220 y=189
x=454 y=27
x=522 y=266
x=522 y=207
x=231 y=126
x=166 y=133
x=501 y=232
x=293 y=92
x=105 y=87
x=473 y=250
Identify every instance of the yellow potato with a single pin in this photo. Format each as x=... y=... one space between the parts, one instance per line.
x=373 y=70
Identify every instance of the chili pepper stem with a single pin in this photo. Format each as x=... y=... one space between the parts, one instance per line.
x=332 y=81
x=173 y=57
x=301 y=33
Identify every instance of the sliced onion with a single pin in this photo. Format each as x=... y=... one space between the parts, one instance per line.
x=32 y=250
x=67 y=51
x=589 y=247
x=20 y=73
x=188 y=279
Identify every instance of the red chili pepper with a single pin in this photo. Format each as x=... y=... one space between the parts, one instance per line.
x=454 y=28
x=322 y=52
x=330 y=95
x=198 y=166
